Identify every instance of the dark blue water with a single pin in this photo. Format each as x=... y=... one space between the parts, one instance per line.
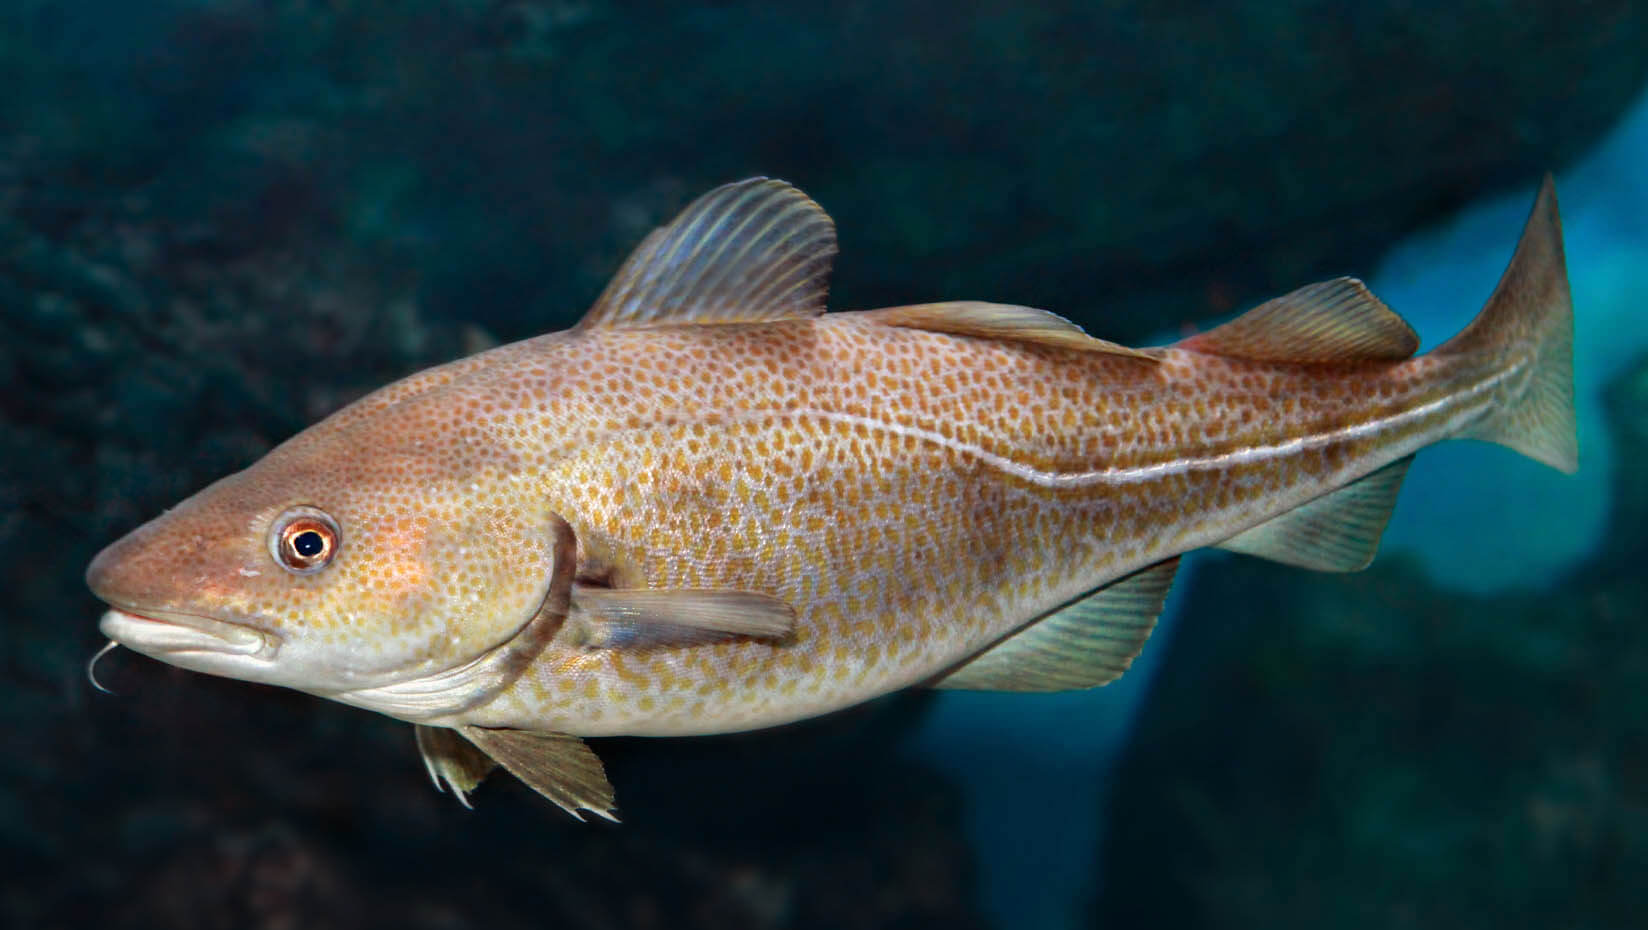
x=219 y=221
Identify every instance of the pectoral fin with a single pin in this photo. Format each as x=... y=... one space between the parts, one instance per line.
x=1337 y=532
x=557 y=766
x=452 y=761
x=639 y=618
x=1084 y=645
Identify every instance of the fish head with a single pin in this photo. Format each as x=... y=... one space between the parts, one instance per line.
x=337 y=564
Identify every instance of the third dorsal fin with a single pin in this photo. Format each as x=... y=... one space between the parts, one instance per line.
x=753 y=250
x=1330 y=321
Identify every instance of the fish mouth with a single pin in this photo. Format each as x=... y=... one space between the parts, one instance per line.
x=169 y=633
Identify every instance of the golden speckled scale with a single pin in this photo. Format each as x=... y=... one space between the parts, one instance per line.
x=712 y=507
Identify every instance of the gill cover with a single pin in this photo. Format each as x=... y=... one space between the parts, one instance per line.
x=458 y=688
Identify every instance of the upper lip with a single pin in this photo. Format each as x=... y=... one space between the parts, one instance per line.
x=157 y=629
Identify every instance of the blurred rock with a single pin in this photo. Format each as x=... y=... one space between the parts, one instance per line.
x=222 y=805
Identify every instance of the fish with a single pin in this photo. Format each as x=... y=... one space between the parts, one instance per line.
x=711 y=506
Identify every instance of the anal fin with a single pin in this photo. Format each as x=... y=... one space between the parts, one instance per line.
x=1083 y=645
x=452 y=761
x=1337 y=532
x=557 y=766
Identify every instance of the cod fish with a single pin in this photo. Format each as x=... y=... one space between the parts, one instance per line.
x=711 y=506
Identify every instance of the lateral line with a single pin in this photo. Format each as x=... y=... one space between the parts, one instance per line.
x=1140 y=473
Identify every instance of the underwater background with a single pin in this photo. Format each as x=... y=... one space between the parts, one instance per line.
x=221 y=220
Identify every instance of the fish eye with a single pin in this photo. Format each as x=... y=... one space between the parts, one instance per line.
x=304 y=540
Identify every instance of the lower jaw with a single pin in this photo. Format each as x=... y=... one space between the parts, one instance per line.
x=163 y=639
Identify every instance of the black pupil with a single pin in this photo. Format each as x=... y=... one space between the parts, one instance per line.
x=308 y=544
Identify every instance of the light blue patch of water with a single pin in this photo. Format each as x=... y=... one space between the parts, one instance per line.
x=1035 y=768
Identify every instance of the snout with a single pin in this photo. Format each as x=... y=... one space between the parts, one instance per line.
x=131 y=573
x=167 y=563
x=102 y=575
x=112 y=574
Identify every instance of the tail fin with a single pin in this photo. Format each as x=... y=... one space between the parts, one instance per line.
x=1531 y=317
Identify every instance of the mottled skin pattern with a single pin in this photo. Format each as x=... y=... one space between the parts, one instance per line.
x=915 y=495
x=913 y=488
x=856 y=470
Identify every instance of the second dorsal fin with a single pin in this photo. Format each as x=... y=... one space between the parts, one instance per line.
x=1330 y=321
x=745 y=252
x=1001 y=321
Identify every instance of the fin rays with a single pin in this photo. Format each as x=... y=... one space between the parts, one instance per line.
x=1531 y=315
x=1337 y=532
x=1330 y=321
x=606 y=618
x=557 y=766
x=750 y=251
x=1004 y=322
x=452 y=761
x=1083 y=645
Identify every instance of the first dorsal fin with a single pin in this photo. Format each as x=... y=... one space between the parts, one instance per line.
x=1001 y=321
x=1330 y=321
x=745 y=252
